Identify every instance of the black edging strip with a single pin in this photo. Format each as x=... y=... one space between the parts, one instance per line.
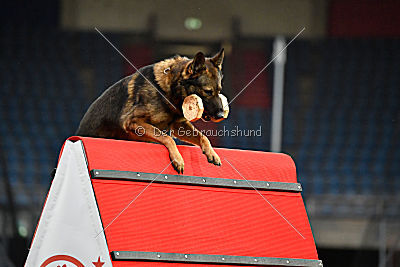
x=195 y=180
x=84 y=154
x=211 y=259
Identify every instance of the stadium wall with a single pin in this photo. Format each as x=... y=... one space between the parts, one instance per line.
x=257 y=18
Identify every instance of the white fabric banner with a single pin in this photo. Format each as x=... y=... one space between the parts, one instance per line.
x=69 y=227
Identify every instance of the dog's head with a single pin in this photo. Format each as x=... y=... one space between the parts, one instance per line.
x=203 y=76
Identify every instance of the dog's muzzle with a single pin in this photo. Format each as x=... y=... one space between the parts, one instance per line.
x=222 y=114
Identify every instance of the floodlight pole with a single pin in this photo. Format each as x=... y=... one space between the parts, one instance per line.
x=277 y=100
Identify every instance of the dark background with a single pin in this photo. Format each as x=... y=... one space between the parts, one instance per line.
x=341 y=105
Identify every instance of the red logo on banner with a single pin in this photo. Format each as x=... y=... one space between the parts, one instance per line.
x=68 y=259
x=64 y=258
x=98 y=263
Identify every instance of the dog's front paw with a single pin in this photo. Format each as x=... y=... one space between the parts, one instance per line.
x=177 y=162
x=212 y=157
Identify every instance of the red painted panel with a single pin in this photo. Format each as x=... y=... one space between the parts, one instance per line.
x=370 y=18
x=120 y=155
x=160 y=264
x=246 y=64
x=200 y=220
x=195 y=219
x=212 y=128
x=140 y=55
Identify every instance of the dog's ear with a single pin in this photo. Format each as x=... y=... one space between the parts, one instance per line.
x=218 y=59
x=198 y=64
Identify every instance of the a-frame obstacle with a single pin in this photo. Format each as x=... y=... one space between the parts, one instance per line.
x=120 y=203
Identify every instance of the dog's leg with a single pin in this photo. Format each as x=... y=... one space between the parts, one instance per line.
x=141 y=131
x=185 y=131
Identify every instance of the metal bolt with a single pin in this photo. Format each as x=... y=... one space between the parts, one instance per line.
x=158 y=256
x=299 y=186
x=223 y=259
x=255 y=260
x=204 y=180
x=186 y=256
x=267 y=184
x=166 y=177
x=97 y=173
x=287 y=261
x=117 y=253
x=138 y=174
x=234 y=182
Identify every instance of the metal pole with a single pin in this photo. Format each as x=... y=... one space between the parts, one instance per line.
x=277 y=100
x=11 y=205
x=382 y=243
x=382 y=235
x=9 y=192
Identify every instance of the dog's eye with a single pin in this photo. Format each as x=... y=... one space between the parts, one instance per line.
x=208 y=92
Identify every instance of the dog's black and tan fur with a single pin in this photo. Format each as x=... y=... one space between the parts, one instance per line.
x=133 y=103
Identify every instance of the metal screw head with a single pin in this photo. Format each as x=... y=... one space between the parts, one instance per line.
x=117 y=253
x=234 y=182
x=287 y=261
x=267 y=184
x=299 y=186
x=255 y=260
x=138 y=174
x=158 y=256
x=223 y=259
x=186 y=256
x=204 y=180
x=97 y=173
x=166 y=177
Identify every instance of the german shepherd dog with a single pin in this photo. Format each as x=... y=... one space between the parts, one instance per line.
x=147 y=104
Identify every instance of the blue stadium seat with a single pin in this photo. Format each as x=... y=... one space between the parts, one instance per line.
x=350 y=118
